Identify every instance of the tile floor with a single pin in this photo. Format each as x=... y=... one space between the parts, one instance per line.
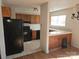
x=68 y=53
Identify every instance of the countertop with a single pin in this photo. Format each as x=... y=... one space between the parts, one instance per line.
x=58 y=32
x=33 y=26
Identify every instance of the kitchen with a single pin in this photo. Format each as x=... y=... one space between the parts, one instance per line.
x=60 y=35
x=30 y=27
x=51 y=36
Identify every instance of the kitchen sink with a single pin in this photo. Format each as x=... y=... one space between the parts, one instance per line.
x=52 y=30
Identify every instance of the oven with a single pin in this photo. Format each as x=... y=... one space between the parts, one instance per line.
x=27 y=32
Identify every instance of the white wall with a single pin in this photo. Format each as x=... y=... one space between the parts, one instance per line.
x=23 y=10
x=44 y=28
x=68 y=12
x=71 y=24
x=2 y=45
x=75 y=30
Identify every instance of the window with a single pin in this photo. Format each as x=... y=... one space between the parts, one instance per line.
x=58 y=20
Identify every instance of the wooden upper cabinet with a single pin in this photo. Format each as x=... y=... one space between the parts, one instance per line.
x=23 y=17
x=28 y=17
x=18 y=16
x=6 y=11
x=35 y=19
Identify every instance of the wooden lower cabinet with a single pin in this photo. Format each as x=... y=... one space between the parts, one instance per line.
x=56 y=41
x=33 y=35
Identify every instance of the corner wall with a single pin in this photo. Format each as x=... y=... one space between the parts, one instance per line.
x=44 y=28
x=2 y=44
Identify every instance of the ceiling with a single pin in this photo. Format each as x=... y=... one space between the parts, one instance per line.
x=24 y=3
x=55 y=5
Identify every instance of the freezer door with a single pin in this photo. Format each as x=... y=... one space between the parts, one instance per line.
x=13 y=37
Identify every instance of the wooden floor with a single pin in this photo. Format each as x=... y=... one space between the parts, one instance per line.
x=69 y=53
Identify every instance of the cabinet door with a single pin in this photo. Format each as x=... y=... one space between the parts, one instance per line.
x=6 y=12
x=23 y=17
x=57 y=42
x=51 y=42
x=35 y=19
x=54 y=42
x=69 y=37
x=18 y=16
x=33 y=35
x=28 y=18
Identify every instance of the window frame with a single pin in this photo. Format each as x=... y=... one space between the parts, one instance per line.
x=58 y=24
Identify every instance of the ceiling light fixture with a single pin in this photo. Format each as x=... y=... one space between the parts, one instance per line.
x=35 y=9
x=75 y=16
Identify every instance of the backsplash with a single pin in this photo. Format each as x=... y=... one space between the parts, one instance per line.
x=35 y=26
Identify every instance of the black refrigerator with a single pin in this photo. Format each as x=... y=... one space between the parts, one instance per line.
x=13 y=32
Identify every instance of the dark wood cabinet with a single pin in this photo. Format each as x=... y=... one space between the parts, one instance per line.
x=23 y=17
x=34 y=19
x=56 y=41
x=18 y=16
x=33 y=35
x=6 y=11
